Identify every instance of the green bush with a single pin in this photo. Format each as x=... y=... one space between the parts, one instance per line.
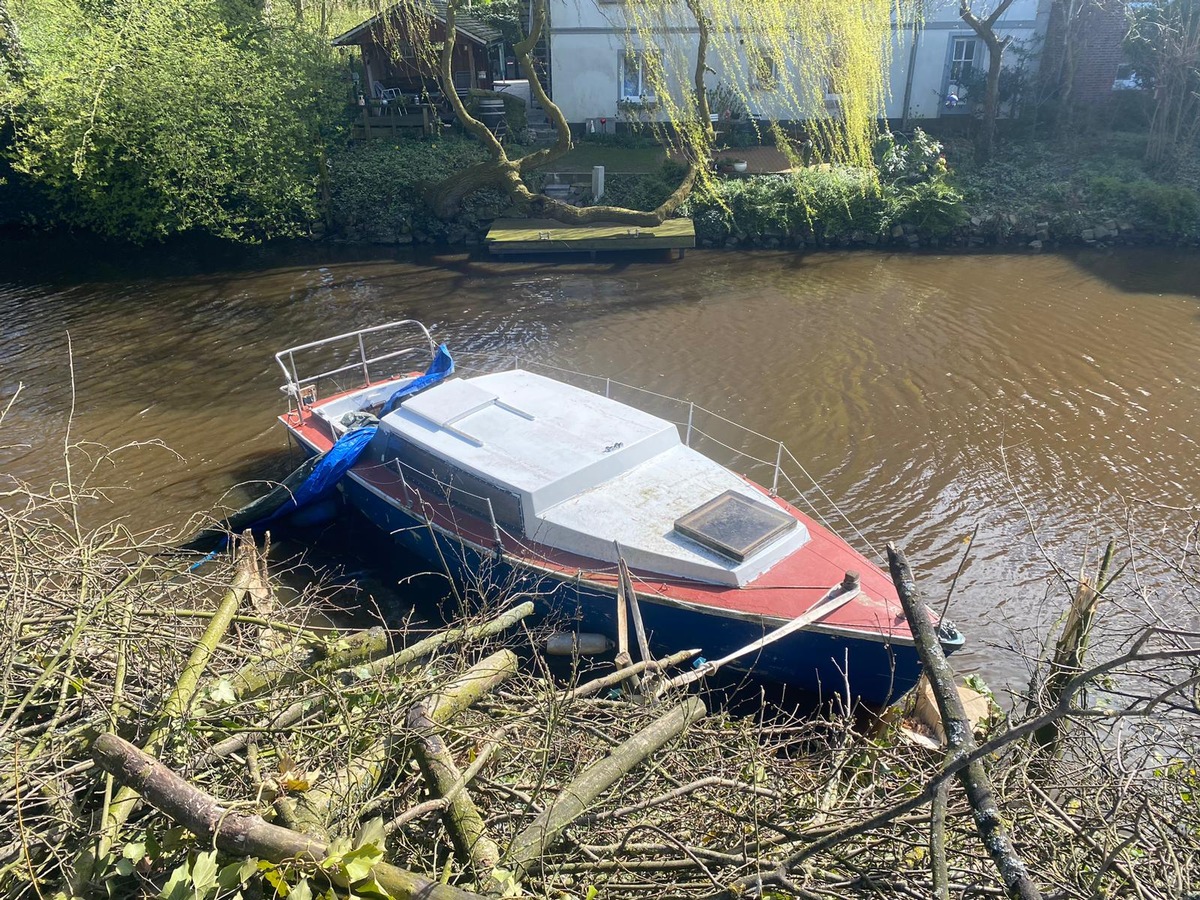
x=625 y=140
x=1170 y=208
x=644 y=192
x=827 y=203
x=144 y=119
x=934 y=207
x=382 y=184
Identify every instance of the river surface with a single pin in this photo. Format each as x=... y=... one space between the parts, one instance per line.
x=1049 y=401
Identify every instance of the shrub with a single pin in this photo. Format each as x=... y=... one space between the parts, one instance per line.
x=1169 y=208
x=382 y=184
x=934 y=207
x=827 y=202
x=644 y=192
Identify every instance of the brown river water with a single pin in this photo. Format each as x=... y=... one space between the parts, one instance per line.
x=1052 y=401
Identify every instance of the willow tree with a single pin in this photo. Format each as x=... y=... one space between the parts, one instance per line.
x=810 y=49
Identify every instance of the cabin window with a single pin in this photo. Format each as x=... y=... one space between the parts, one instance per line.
x=435 y=477
x=734 y=525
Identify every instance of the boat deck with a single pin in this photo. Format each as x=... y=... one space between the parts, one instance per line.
x=786 y=591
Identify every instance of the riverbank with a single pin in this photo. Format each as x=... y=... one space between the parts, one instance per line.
x=1033 y=195
x=278 y=757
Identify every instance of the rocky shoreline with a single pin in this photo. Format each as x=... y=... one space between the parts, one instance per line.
x=1001 y=230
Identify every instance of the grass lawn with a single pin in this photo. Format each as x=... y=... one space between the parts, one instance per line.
x=616 y=160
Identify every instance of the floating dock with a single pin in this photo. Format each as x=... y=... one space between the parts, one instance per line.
x=549 y=236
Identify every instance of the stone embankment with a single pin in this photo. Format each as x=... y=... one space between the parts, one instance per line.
x=980 y=232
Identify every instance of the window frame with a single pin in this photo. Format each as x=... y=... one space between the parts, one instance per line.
x=957 y=71
x=646 y=96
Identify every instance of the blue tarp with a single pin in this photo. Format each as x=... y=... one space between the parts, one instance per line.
x=338 y=459
x=441 y=367
x=334 y=463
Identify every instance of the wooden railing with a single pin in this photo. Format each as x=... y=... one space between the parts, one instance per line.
x=379 y=120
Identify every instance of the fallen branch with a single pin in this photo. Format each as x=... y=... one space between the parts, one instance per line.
x=461 y=816
x=574 y=799
x=246 y=579
x=239 y=833
x=960 y=736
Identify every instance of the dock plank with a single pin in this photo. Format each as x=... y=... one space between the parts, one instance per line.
x=549 y=236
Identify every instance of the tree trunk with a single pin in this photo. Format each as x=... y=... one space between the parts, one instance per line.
x=445 y=197
x=985 y=28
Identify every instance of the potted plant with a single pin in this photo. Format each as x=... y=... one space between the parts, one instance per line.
x=740 y=165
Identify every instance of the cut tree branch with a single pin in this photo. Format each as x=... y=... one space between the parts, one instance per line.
x=235 y=832
x=960 y=736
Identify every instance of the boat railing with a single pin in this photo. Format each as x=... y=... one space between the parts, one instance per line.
x=761 y=458
x=354 y=359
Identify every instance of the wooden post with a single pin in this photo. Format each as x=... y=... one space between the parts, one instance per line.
x=959 y=736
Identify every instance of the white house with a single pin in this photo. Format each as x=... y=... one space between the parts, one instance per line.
x=595 y=63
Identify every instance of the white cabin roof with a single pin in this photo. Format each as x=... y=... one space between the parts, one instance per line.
x=587 y=470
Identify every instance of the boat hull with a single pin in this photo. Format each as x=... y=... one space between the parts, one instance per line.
x=822 y=661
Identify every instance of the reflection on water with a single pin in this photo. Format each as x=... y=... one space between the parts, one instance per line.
x=1045 y=395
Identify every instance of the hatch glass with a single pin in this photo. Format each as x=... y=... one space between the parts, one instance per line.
x=734 y=525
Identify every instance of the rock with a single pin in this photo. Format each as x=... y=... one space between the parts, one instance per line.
x=1101 y=232
x=976 y=221
x=1088 y=234
x=380 y=235
x=1035 y=245
x=872 y=239
x=1042 y=226
x=897 y=231
x=925 y=719
x=404 y=239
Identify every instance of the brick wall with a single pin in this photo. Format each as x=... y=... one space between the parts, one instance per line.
x=1097 y=36
x=1102 y=32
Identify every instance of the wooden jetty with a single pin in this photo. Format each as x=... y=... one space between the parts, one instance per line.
x=549 y=236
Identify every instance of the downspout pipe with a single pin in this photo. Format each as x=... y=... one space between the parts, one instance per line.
x=912 y=68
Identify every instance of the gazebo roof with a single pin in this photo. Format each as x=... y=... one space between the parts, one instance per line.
x=466 y=24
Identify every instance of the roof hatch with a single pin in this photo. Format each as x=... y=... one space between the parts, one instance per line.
x=734 y=525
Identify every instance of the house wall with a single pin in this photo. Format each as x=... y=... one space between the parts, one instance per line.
x=588 y=39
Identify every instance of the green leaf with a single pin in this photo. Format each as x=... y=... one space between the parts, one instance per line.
x=301 y=890
x=358 y=863
x=124 y=867
x=237 y=873
x=370 y=833
x=134 y=851
x=204 y=872
x=178 y=885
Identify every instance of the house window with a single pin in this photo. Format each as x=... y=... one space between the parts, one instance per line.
x=962 y=59
x=635 y=76
x=764 y=75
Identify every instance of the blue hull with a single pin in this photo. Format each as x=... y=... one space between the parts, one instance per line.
x=819 y=661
